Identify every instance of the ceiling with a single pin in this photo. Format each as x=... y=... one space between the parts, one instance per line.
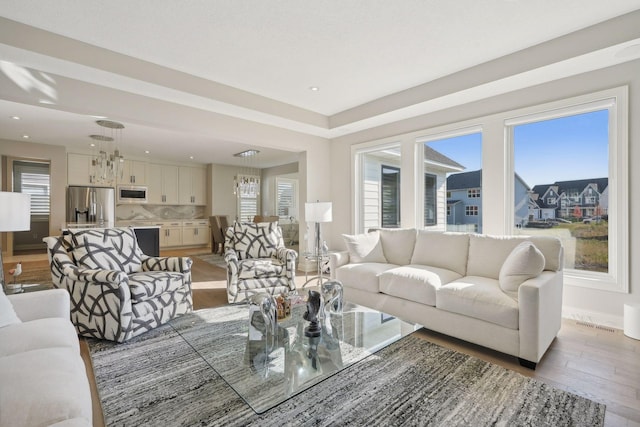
x=210 y=78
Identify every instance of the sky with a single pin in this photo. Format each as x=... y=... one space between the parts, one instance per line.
x=567 y=148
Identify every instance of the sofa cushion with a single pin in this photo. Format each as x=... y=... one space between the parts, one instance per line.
x=365 y=247
x=524 y=262
x=480 y=298
x=260 y=268
x=442 y=250
x=416 y=282
x=8 y=315
x=148 y=284
x=398 y=244
x=488 y=253
x=35 y=334
x=363 y=276
x=41 y=387
x=107 y=249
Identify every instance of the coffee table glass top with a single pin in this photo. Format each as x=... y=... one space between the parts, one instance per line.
x=266 y=372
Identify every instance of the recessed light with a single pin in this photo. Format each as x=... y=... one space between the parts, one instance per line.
x=314 y=88
x=92 y=144
x=25 y=136
x=15 y=117
x=191 y=157
x=146 y=151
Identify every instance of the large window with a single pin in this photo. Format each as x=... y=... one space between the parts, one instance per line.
x=33 y=178
x=452 y=170
x=286 y=198
x=378 y=201
x=569 y=181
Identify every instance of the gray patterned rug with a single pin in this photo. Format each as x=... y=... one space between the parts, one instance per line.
x=213 y=259
x=158 y=379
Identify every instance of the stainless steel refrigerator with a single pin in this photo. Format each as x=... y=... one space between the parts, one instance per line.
x=90 y=207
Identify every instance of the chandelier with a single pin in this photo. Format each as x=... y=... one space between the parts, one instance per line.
x=107 y=163
x=246 y=184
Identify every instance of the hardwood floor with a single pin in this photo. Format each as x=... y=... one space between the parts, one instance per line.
x=601 y=364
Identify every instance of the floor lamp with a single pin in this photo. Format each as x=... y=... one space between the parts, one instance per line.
x=15 y=215
x=318 y=212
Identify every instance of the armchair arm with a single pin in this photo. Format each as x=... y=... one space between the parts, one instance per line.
x=540 y=313
x=288 y=257
x=41 y=305
x=337 y=259
x=178 y=264
x=87 y=275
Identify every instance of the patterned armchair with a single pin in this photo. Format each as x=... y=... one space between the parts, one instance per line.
x=257 y=261
x=117 y=292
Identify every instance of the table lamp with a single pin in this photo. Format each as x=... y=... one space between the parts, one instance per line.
x=15 y=215
x=318 y=212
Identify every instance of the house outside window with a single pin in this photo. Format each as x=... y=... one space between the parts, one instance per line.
x=390 y=196
x=430 y=200
x=471 y=210
x=473 y=193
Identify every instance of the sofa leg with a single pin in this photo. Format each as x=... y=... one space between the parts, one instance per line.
x=527 y=364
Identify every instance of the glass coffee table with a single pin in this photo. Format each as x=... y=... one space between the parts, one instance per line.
x=267 y=372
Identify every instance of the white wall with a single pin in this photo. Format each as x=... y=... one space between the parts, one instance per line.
x=604 y=307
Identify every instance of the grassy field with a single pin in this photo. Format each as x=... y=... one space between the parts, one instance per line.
x=592 y=245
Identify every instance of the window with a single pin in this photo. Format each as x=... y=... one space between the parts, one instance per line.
x=248 y=197
x=452 y=163
x=471 y=210
x=430 y=201
x=377 y=189
x=551 y=200
x=390 y=196
x=286 y=198
x=580 y=150
x=33 y=178
x=473 y=193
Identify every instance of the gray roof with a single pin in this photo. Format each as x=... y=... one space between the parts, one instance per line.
x=438 y=157
x=464 y=180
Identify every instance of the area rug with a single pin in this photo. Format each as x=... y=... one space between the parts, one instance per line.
x=213 y=259
x=158 y=379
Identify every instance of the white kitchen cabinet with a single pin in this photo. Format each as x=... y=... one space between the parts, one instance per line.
x=195 y=232
x=79 y=170
x=170 y=233
x=133 y=172
x=192 y=182
x=162 y=184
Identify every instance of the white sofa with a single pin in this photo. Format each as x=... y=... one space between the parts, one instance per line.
x=501 y=292
x=43 y=381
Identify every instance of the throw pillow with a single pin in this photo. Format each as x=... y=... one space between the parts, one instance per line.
x=365 y=247
x=7 y=314
x=107 y=249
x=524 y=262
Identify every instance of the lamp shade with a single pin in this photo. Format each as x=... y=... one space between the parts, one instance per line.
x=15 y=211
x=318 y=212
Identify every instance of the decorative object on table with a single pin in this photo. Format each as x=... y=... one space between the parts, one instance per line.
x=15 y=272
x=283 y=306
x=263 y=328
x=311 y=315
x=15 y=215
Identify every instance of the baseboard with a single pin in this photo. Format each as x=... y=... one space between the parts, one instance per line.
x=593 y=317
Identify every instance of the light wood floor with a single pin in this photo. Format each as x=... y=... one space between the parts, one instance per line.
x=598 y=363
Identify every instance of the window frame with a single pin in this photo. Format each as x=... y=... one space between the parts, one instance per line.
x=617 y=103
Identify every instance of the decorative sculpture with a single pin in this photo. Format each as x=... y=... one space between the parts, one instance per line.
x=262 y=319
x=311 y=315
x=15 y=272
x=332 y=297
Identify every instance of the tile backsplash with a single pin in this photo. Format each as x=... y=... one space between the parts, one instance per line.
x=158 y=212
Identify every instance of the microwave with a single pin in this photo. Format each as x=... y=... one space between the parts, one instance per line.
x=132 y=194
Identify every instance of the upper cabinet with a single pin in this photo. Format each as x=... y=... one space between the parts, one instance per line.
x=163 y=184
x=134 y=173
x=79 y=170
x=192 y=182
